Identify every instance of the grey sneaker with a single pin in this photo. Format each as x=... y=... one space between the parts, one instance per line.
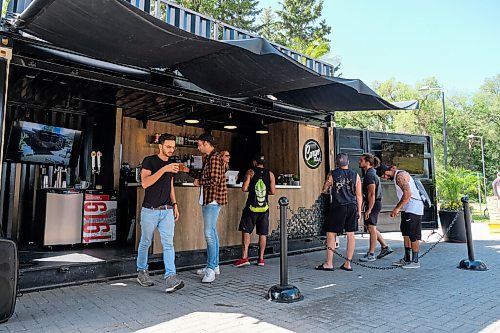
x=202 y=271
x=144 y=279
x=400 y=263
x=412 y=264
x=384 y=252
x=368 y=257
x=173 y=283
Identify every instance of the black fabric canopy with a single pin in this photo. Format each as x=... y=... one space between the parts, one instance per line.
x=116 y=31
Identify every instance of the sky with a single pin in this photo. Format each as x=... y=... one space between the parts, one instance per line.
x=458 y=41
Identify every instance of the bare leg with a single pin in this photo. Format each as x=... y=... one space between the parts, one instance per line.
x=350 y=249
x=245 y=240
x=262 y=245
x=330 y=243
x=406 y=241
x=373 y=237
x=380 y=239
x=415 y=246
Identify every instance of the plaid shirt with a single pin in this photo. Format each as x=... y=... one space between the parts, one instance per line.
x=213 y=179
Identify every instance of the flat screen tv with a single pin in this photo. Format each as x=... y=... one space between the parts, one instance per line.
x=42 y=144
x=406 y=156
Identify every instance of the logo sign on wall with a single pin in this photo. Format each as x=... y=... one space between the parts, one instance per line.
x=312 y=154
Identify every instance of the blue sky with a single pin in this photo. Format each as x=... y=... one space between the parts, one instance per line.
x=457 y=41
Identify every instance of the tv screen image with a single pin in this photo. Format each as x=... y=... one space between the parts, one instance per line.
x=404 y=155
x=42 y=144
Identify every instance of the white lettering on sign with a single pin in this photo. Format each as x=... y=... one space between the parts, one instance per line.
x=315 y=155
x=312 y=154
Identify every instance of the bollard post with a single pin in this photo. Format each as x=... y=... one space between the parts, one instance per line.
x=284 y=293
x=470 y=263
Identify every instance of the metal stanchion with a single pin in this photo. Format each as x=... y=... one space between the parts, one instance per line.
x=283 y=292
x=470 y=263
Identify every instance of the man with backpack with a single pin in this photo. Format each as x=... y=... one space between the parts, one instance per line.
x=259 y=183
x=411 y=207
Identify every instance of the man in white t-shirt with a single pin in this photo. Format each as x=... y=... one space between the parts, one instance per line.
x=411 y=208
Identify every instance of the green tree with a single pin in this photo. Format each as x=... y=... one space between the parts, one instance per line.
x=267 y=29
x=238 y=13
x=298 y=28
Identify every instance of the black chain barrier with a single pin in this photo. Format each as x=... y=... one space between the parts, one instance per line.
x=391 y=267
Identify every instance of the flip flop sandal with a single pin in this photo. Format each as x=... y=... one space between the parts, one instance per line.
x=322 y=268
x=345 y=268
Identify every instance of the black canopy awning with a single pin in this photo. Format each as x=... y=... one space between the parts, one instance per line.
x=115 y=31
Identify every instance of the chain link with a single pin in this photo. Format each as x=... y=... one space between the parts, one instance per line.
x=394 y=267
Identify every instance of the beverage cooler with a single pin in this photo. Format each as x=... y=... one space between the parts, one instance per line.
x=99 y=216
x=59 y=216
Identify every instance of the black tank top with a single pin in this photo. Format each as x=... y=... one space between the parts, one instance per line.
x=266 y=178
x=344 y=187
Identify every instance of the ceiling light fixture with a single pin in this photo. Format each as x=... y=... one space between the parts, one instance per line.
x=231 y=125
x=191 y=119
x=261 y=129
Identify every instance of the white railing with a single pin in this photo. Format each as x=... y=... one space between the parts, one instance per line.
x=200 y=25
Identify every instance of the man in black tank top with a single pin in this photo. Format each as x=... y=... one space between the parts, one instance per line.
x=259 y=183
x=344 y=185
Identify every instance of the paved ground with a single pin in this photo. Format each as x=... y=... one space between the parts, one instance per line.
x=437 y=297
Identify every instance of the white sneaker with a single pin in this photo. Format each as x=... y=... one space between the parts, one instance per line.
x=202 y=271
x=209 y=276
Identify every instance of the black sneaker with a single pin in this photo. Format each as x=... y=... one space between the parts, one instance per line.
x=384 y=252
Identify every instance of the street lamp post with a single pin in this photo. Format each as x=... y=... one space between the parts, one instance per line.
x=445 y=145
x=471 y=137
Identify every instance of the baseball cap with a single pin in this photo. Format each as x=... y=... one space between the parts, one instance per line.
x=382 y=169
x=342 y=160
x=207 y=137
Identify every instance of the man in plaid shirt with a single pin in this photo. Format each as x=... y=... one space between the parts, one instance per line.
x=213 y=195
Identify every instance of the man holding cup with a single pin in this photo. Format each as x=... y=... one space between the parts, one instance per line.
x=159 y=211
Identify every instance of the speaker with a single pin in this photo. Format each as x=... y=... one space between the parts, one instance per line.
x=8 y=278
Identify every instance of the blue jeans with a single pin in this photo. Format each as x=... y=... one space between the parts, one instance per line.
x=164 y=221
x=210 y=215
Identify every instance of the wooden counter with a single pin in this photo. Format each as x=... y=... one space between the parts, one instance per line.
x=189 y=233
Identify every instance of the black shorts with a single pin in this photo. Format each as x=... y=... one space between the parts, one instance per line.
x=373 y=219
x=250 y=219
x=411 y=226
x=342 y=219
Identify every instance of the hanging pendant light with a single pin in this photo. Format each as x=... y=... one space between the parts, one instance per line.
x=231 y=125
x=261 y=129
x=191 y=119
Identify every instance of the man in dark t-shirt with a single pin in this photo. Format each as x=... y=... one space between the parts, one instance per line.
x=372 y=195
x=344 y=185
x=159 y=211
x=259 y=183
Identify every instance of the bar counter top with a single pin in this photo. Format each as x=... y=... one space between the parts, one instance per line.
x=228 y=185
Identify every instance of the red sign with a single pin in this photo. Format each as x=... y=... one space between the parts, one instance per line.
x=99 y=219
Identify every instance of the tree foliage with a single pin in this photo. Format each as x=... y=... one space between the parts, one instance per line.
x=465 y=115
x=238 y=13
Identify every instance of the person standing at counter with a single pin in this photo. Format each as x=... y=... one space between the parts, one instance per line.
x=226 y=156
x=159 y=211
x=213 y=195
x=372 y=194
x=345 y=209
x=259 y=183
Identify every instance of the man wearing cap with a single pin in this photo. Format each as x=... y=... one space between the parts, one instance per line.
x=259 y=183
x=345 y=209
x=159 y=211
x=411 y=208
x=213 y=195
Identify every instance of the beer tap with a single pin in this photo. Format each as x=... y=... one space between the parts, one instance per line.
x=96 y=165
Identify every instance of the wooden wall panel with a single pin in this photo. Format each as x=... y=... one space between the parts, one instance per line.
x=311 y=179
x=135 y=145
x=280 y=147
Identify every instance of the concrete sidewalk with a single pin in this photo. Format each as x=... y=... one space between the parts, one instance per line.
x=438 y=297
